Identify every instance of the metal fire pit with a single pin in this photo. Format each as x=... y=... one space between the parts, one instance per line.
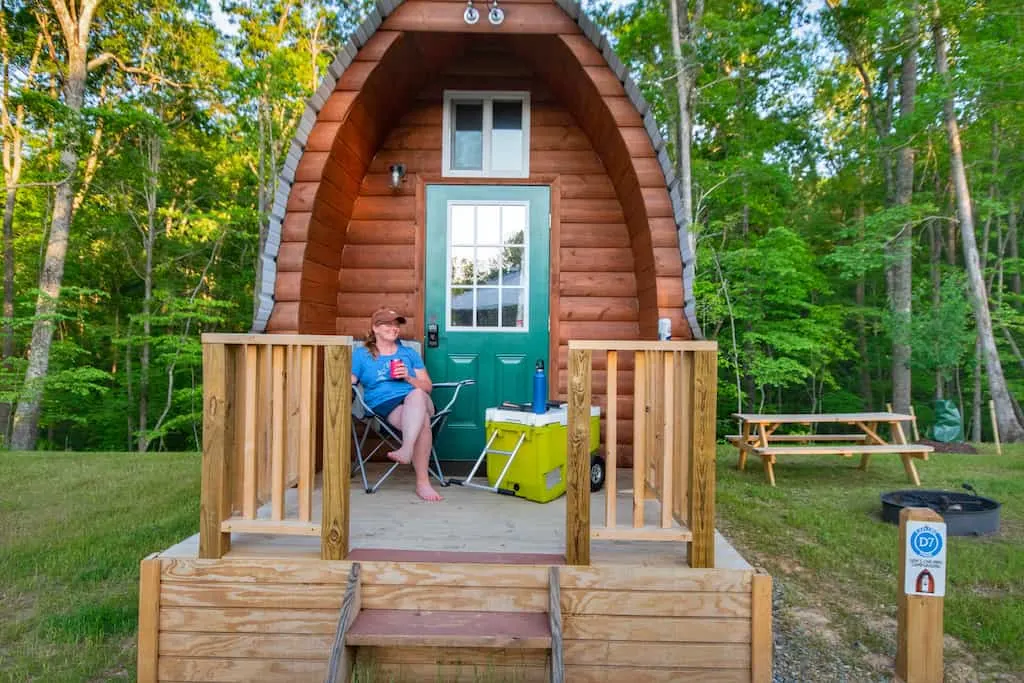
x=965 y=514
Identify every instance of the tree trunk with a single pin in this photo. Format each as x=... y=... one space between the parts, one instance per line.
x=12 y=163
x=75 y=28
x=8 y=308
x=976 y=395
x=684 y=29
x=1008 y=418
x=901 y=273
x=1011 y=218
x=152 y=155
x=935 y=272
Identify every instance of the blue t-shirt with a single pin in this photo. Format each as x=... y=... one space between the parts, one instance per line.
x=375 y=373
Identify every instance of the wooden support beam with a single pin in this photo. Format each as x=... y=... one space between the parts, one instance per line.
x=149 y=620
x=215 y=496
x=337 y=389
x=305 y=428
x=639 y=436
x=702 y=458
x=761 y=629
x=277 y=463
x=577 y=479
x=668 y=458
x=610 y=446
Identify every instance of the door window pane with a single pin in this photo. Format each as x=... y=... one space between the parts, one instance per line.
x=462 y=307
x=512 y=266
x=487 y=307
x=462 y=266
x=487 y=266
x=513 y=224
x=513 y=309
x=468 y=134
x=462 y=224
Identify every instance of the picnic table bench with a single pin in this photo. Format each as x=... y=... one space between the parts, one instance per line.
x=757 y=435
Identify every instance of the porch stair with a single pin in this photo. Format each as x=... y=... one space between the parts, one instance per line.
x=444 y=629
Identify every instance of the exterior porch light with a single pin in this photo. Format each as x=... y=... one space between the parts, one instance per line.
x=472 y=14
x=497 y=15
x=397 y=173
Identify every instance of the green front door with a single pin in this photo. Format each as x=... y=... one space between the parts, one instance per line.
x=487 y=293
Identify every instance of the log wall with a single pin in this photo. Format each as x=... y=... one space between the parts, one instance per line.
x=274 y=620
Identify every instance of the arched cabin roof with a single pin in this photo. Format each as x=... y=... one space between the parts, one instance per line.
x=372 y=81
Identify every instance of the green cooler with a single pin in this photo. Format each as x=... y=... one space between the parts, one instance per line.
x=536 y=445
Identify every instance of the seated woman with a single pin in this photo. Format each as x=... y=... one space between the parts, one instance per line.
x=397 y=387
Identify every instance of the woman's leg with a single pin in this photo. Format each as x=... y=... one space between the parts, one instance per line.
x=409 y=417
x=413 y=418
x=421 y=464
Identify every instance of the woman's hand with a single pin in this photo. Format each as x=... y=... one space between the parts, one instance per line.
x=401 y=371
x=420 y=380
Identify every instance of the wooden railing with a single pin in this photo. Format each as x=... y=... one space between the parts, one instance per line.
x=674 y=395
x=273 y=407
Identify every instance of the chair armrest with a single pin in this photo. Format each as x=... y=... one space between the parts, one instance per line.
x=455 y=395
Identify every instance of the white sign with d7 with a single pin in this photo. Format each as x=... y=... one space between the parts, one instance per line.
x=926 y=559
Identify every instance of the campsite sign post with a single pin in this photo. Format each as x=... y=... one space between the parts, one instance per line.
x=922 y=586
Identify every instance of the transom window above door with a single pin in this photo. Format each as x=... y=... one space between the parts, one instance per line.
x=486 y=134
x=488 y=281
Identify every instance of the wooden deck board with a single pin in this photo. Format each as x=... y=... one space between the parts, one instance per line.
x=469 y=520
x=393 y=627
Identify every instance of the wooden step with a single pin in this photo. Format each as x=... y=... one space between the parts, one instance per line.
x=451 y=556
x=421 y=628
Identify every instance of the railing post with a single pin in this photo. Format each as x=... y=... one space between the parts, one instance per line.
x=334 y=524
x=215 y=497
x=702 y=465
x=577 y=474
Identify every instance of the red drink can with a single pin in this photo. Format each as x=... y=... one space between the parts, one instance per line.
x=395 y=364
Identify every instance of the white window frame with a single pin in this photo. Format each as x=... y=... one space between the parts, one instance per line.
x=487 y=97
x=524 y=277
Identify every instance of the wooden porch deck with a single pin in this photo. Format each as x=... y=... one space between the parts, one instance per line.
x=468 y=520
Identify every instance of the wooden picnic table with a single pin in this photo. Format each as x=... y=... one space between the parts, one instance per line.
x=758 y=434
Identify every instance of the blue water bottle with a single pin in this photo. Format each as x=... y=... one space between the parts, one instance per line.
x=540 y=389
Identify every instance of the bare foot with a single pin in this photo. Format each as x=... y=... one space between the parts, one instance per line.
x=400 y=456
x=427 y=493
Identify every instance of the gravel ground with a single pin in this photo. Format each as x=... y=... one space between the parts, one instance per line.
x=801 y=657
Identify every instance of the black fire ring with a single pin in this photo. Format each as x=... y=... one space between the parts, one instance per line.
x=965 y=514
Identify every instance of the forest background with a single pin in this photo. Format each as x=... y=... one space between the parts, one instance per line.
x=850 y=172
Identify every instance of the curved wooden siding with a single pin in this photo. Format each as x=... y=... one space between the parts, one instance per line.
x=350 y=243
x=369 y=97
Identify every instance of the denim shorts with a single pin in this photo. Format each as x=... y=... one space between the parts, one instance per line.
x=384 y=409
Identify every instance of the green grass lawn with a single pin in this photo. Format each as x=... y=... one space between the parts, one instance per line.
x=820 y=533
x=73 y=528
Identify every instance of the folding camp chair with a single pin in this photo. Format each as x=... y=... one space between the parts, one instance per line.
x=366 y=421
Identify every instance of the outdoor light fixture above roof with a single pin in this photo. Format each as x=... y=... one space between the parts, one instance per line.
x=496 y=15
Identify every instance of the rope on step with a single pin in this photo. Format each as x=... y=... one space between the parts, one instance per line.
x=342 y=659
x=555 y=618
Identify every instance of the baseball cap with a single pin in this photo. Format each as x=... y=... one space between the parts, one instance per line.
x=386 y=315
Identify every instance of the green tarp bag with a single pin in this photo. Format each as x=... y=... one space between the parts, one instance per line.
x=948 y=425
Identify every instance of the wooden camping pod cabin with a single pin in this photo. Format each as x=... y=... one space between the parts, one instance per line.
x=343 y=241
x=507 y=184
